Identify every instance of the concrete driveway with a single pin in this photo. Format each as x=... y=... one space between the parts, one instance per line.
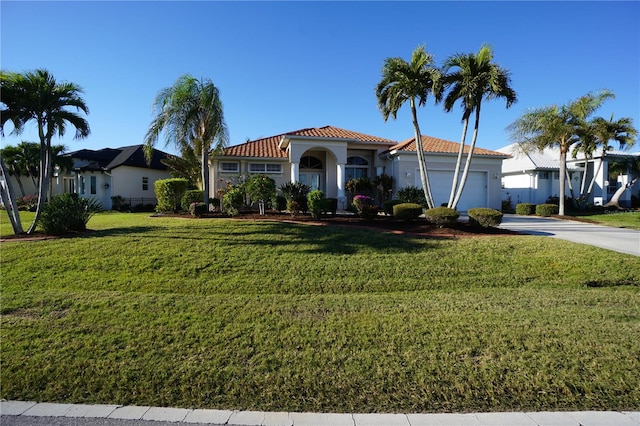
x=617 y=239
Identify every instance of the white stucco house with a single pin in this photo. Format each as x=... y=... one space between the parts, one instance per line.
x=327 y=157
x=110 y=172
x=534 y=177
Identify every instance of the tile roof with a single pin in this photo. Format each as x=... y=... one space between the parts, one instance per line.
x=269 y=147
x=431 y=144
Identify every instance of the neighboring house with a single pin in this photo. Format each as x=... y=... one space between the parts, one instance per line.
x=327 y=157
x=534 y=177
x=106 y=173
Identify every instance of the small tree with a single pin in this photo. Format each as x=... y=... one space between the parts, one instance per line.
x=261 y=189
x=169 y=193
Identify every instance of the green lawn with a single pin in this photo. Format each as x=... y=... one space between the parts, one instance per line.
x=221 y=313
x=629 y=220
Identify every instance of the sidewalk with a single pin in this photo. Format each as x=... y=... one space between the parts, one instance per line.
x=22 y=413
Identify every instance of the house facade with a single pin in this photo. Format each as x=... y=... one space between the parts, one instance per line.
x=533 y=177
x=326 y=158
x=110 y=172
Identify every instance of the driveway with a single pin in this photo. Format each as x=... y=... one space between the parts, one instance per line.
x=617 y=239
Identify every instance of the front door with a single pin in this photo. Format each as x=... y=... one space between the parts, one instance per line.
x=311 y=172
x=312 y=179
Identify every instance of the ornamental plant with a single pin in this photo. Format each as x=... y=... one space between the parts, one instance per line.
x=364 y=206
x=66 y=213
x=442 y=216
x=261 y=189
x=169 y=193
x=317 y=203
x=485 y=217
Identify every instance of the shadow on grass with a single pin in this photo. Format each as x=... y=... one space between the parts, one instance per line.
x=295 y=237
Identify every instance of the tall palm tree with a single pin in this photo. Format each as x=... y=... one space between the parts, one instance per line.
x=475 y=78
x=37 y=96
x=410 y=81
x=190 y=115
x=556 y=126
x=604 y=131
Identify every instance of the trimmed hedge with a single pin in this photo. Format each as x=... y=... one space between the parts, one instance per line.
x=485 y=217
x=387 y=206
x=546 y=209
x=407 y=211
x=169 y=193
x=317 y=203
x=525 y=209
x=191 y=196
x=442 y=216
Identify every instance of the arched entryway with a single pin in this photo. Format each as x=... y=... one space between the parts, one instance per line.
x=312 y=172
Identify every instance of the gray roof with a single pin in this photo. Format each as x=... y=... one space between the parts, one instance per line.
x=110 y=158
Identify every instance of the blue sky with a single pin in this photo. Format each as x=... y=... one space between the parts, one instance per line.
x=282 y=66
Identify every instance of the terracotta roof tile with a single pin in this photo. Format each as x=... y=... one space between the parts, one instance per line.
x=431 y=144
x=268 y=147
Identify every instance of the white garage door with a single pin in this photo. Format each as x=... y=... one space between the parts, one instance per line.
x=474 y=194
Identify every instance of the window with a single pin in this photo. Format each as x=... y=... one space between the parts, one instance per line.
x=357 y=167
x=543 y=175
x=93 y=184
x=556 y=175
x=82 y=185
x=310 y=162
x=268 y=168
x=145 y=183
x=230 y=167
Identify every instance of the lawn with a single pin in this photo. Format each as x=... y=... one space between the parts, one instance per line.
x=222 y=313
x=629 y=220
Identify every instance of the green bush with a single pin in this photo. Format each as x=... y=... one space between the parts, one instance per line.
x=364 y=206
x=191 y=196
x=387 y=206
x=525 y=209
x=359 y=186
x=412 y=194
x=546 y=209
x=233 y=201
x=279 y=203
x=317 y=203
x=296 y=192
x=67 y=213
x=169 y=193
x=407 y=211
x=485 y=217
x=261 y=189
x=442 y=216
x=293 y=207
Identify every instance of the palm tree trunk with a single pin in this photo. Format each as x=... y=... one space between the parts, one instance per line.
x=424 y=177
x=45 y=160
x=595 y=173
x=454 y=184
x=467 y=164
x=562 y=177
x=8 y=199
x=584 y=175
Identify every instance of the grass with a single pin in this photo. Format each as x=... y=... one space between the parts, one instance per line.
x=271 y=316
x=629 y=220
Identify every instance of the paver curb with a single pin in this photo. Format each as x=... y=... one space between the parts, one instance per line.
x=259 y=418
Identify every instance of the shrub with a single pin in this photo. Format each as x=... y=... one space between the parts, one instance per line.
x=261 y=189
x=197 y=209
x=412 y=194
x=525 y=208
x=442 y=216
x=485 y=217
x=384 y=186
x=387 y=206
x=296 y=192
x=332 y=205
x=279 y=203
x=359 y=186
x=169 y=193
x=233 y=200
x=364 y=206
x=67 y=213
x=28 y=203
x=317 y=203
x=191 y=196
x=293 y=207
x=407 y=211
x=117 y=203
x=546 y=209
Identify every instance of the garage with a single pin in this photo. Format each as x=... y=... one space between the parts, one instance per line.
x=474 y=194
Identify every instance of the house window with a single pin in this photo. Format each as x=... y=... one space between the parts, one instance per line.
x=357 y=167
x=268 y=168
x=556 y=175
x=310 y=162
x=145 y=183
x=93 y=184
x=82 y=185
x=543 y=175
x=230 y=167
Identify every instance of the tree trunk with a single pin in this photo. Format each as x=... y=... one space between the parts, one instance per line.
x=615 y=200
x=424 y=177
x=467 y=164
x=562 y=177
x=8 y=199
x=454 y=184
x=595 y=173
x=45 y=163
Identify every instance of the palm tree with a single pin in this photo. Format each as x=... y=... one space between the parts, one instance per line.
x=36 y=95
x=556 y=126
x=190 y=114
x=410 y=81
x=476 y=78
